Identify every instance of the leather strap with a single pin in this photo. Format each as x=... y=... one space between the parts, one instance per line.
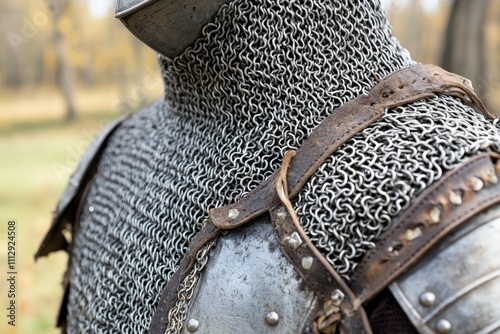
x=460 y=195
x=402 y=87
x=335 y=296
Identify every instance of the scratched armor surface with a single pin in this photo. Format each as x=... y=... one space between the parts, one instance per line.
x=262 y=76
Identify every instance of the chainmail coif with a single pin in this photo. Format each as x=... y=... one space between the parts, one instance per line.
x=263 y=75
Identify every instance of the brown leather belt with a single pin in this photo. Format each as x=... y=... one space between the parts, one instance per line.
x=272 y=196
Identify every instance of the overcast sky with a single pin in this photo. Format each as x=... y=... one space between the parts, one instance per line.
x=100 y=8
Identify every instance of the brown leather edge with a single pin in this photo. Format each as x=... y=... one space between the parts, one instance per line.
x=320 y=276
x=402 y=87
x=435 y=214
x=169 y=295
x=316 y=270
x=54 y=239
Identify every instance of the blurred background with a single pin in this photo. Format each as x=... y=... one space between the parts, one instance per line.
x=67 y=68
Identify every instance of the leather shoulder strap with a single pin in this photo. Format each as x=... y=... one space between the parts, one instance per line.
x=402 y=87
x=458 y=196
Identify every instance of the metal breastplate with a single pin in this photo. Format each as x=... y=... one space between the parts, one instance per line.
x=249 y=287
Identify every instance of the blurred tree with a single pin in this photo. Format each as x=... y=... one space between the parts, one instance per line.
x=464 y=47
x=64 y=69
x=9 y=59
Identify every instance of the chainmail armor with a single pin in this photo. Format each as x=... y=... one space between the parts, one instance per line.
x=352 y=198
x=259 y=80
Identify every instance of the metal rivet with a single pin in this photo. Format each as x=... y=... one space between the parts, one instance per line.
x=412 y=234
x=492 y=177
x=394 y=250
x=294 y=241
x=455 y=198
x=91 y=209
x=272 y=318
x=435 y=214
x=477 y=184
x=443 y=326
x=427 y=299
x=307 y=262
x=337 y=297
x=233 y=213
x=280 y=215
x=192 y=325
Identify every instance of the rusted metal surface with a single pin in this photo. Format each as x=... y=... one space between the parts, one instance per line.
x=249 y=287
x=443 y=295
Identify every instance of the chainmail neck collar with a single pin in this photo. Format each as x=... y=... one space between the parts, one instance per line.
x=267 y=48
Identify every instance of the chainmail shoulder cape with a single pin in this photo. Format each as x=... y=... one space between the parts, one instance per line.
x=263 y=75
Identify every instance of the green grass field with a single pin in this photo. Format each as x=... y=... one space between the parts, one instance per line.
x=36 y=160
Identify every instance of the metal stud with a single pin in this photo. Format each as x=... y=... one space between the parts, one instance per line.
x=337 y=297
x=435 y=214
x=412 y=234
x=192 y=325
x=294 y=241
x=395 y=248
x=233 y=213
x=455 y=197
x=492 y=177
x=427 y=299
x=307 y=262
x=272 y=318
x=280 y=215
x=91 y=209
x=443 y=326
x=477 y=184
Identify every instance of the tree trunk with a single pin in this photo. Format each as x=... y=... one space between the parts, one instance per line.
x=464 y=47
x=64 y=69
x=9 y=58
